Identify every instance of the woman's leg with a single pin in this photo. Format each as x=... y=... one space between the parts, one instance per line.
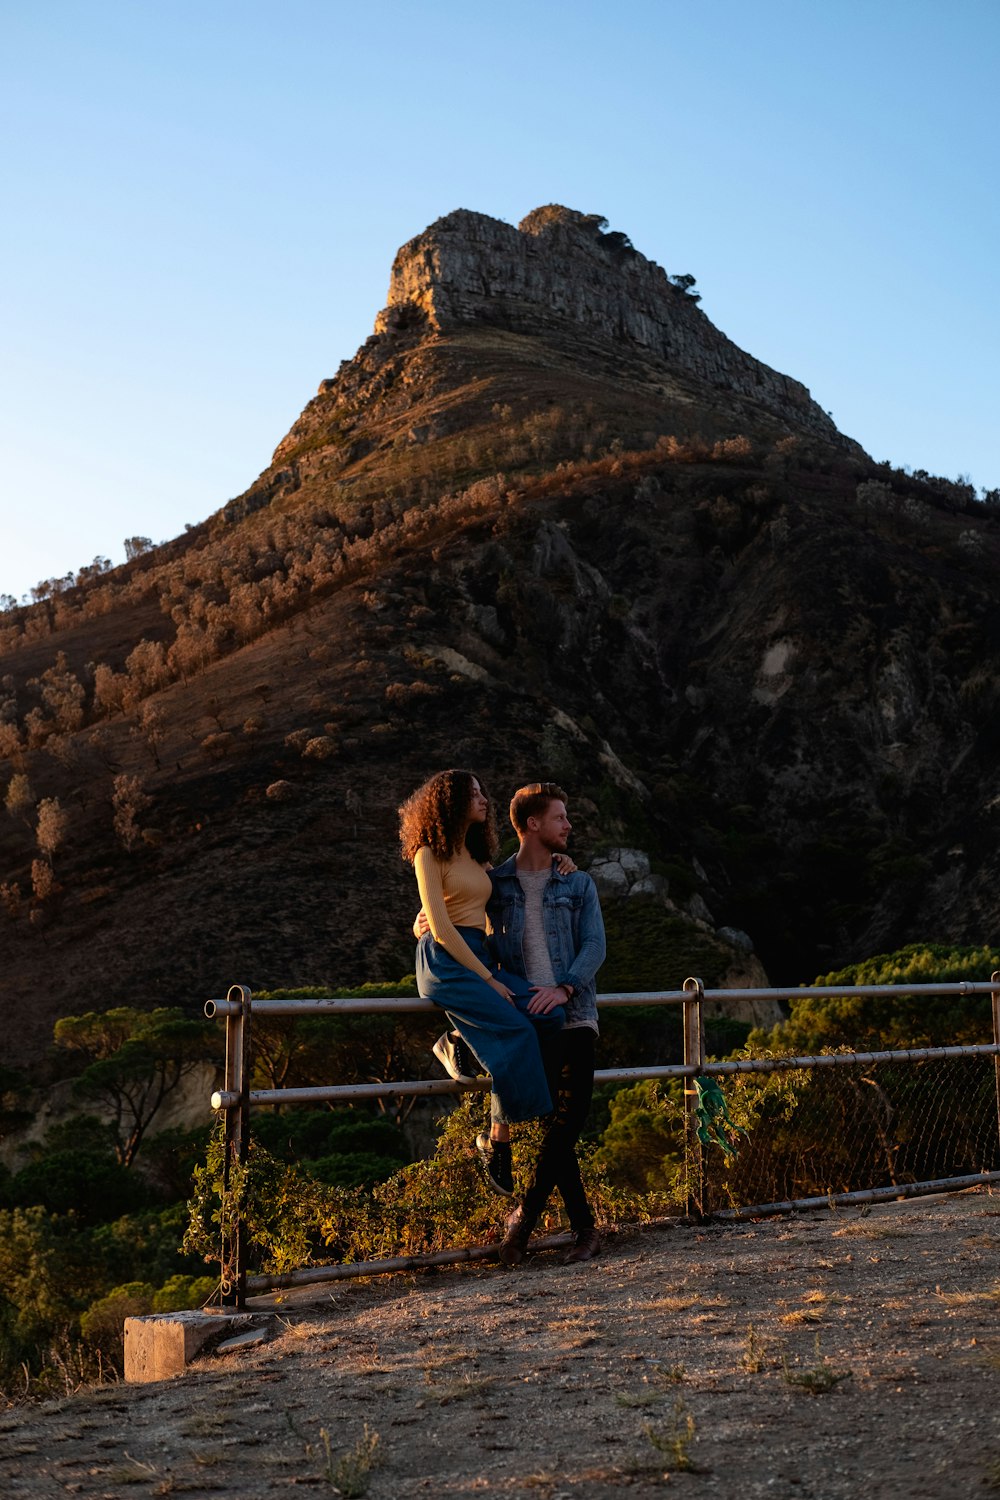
x=501 y=1036
x=545 y=1025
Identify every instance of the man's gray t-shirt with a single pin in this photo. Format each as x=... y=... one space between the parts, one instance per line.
x=537 y=962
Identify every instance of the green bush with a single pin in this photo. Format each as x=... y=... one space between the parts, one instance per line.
x=181 y=1292
x=352 y=1168
x=875 y=1023
x=90 y=1184
x=642 y=1148
x=142 y=1245
x=102 y=1325
x=62 y=1280
x=309 y=1135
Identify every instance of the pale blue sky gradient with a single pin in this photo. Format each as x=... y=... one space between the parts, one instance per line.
x=202 y=202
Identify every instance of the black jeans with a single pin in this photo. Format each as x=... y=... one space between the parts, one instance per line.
x=569 y=1067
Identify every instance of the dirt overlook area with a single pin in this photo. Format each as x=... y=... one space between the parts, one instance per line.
x=838 y=1354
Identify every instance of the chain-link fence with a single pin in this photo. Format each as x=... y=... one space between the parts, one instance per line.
x=817 y=1131
x=756 y=1133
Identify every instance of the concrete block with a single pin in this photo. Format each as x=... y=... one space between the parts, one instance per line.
x=164 y=1344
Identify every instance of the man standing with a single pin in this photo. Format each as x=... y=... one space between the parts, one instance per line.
x=548 y=928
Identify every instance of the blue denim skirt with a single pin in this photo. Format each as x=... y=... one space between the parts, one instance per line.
x=502 y=1035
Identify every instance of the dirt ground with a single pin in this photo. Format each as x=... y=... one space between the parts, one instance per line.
x=831 y=1355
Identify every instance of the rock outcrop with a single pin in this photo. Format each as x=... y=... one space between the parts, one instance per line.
x=560 y=268
x=624 y=874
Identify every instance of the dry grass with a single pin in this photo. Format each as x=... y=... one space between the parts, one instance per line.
x=678 y=1302
x=463 y=1388
x=439 y=1360
x=305 y=1330
x=964 y=1299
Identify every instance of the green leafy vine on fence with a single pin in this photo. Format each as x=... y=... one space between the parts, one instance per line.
x=293 y=1220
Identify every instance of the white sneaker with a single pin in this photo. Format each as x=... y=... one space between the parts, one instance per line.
x=456 y=1057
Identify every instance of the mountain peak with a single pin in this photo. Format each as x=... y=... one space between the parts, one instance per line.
x=563 y=272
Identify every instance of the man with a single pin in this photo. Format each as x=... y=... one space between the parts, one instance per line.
x=547 y=927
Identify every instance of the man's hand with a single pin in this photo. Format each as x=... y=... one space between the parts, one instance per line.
x=420 y=924
x=546 y=997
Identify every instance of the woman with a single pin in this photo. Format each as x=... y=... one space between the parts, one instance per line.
x=448 y=834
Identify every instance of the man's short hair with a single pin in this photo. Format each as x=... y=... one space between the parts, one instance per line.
x=531 y=801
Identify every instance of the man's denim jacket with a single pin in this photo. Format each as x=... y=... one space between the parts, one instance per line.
x=574 y=931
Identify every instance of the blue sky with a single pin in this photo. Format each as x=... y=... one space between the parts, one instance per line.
x=202 y=203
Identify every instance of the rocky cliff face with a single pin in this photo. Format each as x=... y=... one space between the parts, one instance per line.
x=560 y=268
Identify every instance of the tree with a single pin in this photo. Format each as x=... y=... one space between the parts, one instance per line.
x=52 y=824
x=11 y=744
x=43 y=881
x=135 y=546
x=20 y=798
x=109 y=689
x=146 y=669
x=128 y=800
x=151 y=726
x=686 y=285
x=62 y=693
x=887 y=1022
x=361 y=1049
x=643 y=1144
x=135 y=1060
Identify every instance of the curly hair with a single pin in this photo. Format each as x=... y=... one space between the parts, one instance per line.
x=437 y=814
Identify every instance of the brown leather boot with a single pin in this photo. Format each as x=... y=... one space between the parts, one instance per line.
x=514 y=1245
x=587 y=1247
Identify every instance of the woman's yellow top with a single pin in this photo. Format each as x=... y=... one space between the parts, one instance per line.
x=454 y=893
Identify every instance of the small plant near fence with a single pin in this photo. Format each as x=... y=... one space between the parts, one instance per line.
x=350 y=1473
x=672 y=1439
x=815 y=1379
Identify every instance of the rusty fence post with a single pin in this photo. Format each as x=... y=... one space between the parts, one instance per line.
x=234 y=1234
x=694 y=1056
x=995 y=998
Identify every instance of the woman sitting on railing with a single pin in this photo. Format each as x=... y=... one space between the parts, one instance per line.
x=448 y=834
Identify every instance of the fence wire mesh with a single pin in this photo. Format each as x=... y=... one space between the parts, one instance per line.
x=810 y=1132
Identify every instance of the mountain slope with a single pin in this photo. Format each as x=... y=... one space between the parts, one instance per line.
x=533 y=528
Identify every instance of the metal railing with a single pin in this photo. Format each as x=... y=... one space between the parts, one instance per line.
x=236 y=1100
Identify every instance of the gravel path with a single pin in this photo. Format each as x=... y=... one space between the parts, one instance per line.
x=826 y=1356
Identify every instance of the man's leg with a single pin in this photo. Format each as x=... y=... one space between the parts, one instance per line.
x=569 y=1060
x=577 y=1088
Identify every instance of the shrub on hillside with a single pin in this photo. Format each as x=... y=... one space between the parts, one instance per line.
x=874 y=1023
x=90 y=1184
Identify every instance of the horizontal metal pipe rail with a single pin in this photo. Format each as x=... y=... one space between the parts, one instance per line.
x=411 y=1004
x=350 y=1093
x=860 y=1196
x=237 y=1099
